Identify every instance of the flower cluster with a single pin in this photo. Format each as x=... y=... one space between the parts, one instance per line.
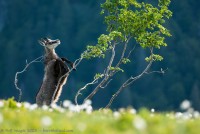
x=65 y=106
x=86 y=106
x=188 y=111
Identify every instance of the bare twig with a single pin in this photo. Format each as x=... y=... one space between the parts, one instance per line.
x=122 y=56
x=108 y=73
x=78 y=61
x=131 y=51
x=39 y=59
x=160 y=72
x=106 y=84
x=130 y=81
x=123 y=52
x=106 y=76
x=83 y=88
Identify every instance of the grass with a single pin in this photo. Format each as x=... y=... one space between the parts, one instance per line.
x=19 y=118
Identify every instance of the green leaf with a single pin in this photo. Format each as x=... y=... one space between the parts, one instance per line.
x=125 y=60
x=154 y=57
x=116 y=69
x=98 y=75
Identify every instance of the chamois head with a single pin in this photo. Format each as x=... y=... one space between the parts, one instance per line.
x=48 y=43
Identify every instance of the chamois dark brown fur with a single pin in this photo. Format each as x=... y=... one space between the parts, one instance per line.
x=56 y=73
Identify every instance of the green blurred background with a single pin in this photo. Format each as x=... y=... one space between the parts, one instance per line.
x=77 y=23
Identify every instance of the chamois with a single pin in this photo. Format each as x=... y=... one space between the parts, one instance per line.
x=56 y=73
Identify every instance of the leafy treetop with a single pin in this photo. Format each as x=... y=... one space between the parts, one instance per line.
x=126 y=19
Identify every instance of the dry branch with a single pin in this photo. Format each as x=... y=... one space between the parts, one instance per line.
x=106 y=76
x=83 y=88
x=39 y=59
x=130 y=81
x=109 y=73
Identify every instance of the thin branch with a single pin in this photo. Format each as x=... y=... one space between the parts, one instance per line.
x=111 y=61
x=123 y=52
x=105 y=78
x=131 y=51
x=39 y=59
x=106 y=84
x=130 y=81
x=83 y=88
x=120 y=61
x=107 y=72
x=160 y=72
x=77 y=62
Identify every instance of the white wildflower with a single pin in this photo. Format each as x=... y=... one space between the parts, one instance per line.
x=196 y=114
x=45 y=107
x=61 y=110
x=122 y=110
x=19 y=104
x=178 y=115
x=71 y=107
x=66 y=103
x=33 y=107
x=132 y=111
x=116 y=114
x=89 y=110
x=54 y=106
x=190 y=110
x=1 y=103
x=27 y=105
x=139 y=123
x=46 y=121
x=74 y=108
x=185 y=105
x=152 y=110
x=58 y=108
x=88 y=102
x=84 y=106
x=77 y=108
x=1 y=118
x=186 y=116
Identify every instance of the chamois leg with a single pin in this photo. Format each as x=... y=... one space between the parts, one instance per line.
x=47 y=88
x=61 y=70
x=69 y=62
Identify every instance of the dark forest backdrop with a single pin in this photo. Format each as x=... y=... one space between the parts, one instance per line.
x=78 y=23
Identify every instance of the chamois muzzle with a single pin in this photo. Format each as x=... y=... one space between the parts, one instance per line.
x=51 y=44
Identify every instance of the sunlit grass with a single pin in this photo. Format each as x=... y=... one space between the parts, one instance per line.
x=27 y=118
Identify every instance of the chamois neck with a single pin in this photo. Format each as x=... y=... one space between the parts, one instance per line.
x=50 y=54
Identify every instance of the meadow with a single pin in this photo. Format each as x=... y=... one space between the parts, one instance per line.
x=23 y=118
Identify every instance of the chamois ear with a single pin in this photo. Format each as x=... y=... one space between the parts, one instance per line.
x=41 y=42
x=45 y=39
